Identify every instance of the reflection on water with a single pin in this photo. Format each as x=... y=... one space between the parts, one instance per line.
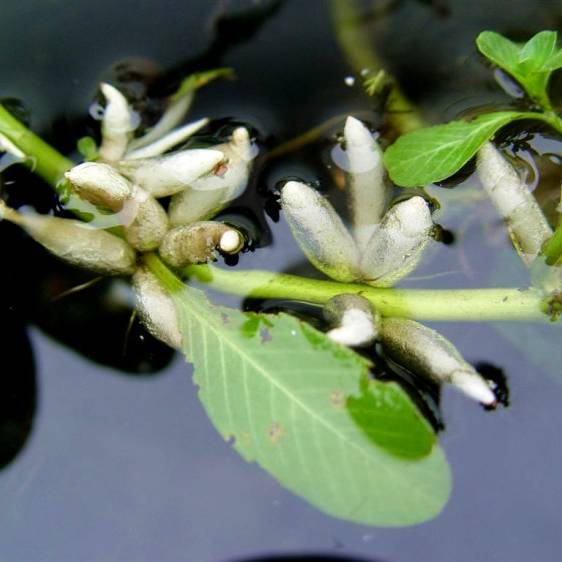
x=129 y=467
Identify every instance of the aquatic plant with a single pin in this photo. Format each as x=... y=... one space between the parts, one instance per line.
x=298 y=400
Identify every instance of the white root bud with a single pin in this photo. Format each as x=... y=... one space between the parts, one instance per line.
x=150 y=223
x=356 y=324
x=99 y=184
x=427 y=353
x=76 y=242
x=320 y=232
x=368 y=192
x=526 y=223
x=156 y=308
x=197 y=243
x=118 y=124
x=170 y=174
x=206 y=196
x=397 y=245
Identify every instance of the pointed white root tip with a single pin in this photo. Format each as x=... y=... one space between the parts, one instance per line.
x=156 y=308
x=427 y=353
x=320 y=232
x=231 y=242
x=363 y=152
x=6 y=145
x=474 y=386
x=118 y=115
x=356 y=134
x=354 y=318
x=117 y=124
x=99 y=184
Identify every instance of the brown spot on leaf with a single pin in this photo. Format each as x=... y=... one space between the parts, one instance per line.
x=275 y=432
x=337 y=399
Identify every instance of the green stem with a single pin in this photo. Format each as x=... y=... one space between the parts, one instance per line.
x=462 y=304
x=472 y=305
x=43 y=159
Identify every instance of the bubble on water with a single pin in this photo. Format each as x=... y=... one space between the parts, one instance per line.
x=96 y=111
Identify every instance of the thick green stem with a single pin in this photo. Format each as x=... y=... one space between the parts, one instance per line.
x=43 y=159
x=472 y=305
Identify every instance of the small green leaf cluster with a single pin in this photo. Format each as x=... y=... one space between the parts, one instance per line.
x=435 y=153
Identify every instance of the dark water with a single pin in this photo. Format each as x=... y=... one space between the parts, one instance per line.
x=122 y=463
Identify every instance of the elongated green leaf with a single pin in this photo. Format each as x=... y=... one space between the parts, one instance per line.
x=436 y=153
x=302 y=407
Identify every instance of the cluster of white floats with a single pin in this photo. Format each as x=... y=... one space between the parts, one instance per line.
x=382 y=245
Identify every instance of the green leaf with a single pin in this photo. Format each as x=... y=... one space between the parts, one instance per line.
x=436 y=153
x=537 y=51
x=303 y=408
x=530 y=64
x=87 y=148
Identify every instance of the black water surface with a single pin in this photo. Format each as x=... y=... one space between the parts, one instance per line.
x=120 y=467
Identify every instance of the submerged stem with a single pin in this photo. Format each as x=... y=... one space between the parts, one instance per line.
x=355 y=44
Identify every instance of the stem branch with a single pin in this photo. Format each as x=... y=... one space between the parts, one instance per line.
x=472 y=305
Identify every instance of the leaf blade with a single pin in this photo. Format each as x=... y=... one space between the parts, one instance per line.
x=280 y=390
x=436 y=153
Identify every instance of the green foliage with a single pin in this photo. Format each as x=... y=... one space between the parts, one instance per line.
x=304 y=409
x=435 y=153
x=87 y=148
x=530 y=64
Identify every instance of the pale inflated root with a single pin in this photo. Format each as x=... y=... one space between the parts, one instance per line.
x=367 y=189
x=150 y=224
x=156 y=308
x=208 y=195
x=76 y=242
x=320 y=232
x=398 y=243
x=165 y=175
x=525 y=221
x=100 y=184
x=198 y=242
x=354 y=320
x=427 y=353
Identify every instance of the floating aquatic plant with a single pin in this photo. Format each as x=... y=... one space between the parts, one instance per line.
x=300 y=401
